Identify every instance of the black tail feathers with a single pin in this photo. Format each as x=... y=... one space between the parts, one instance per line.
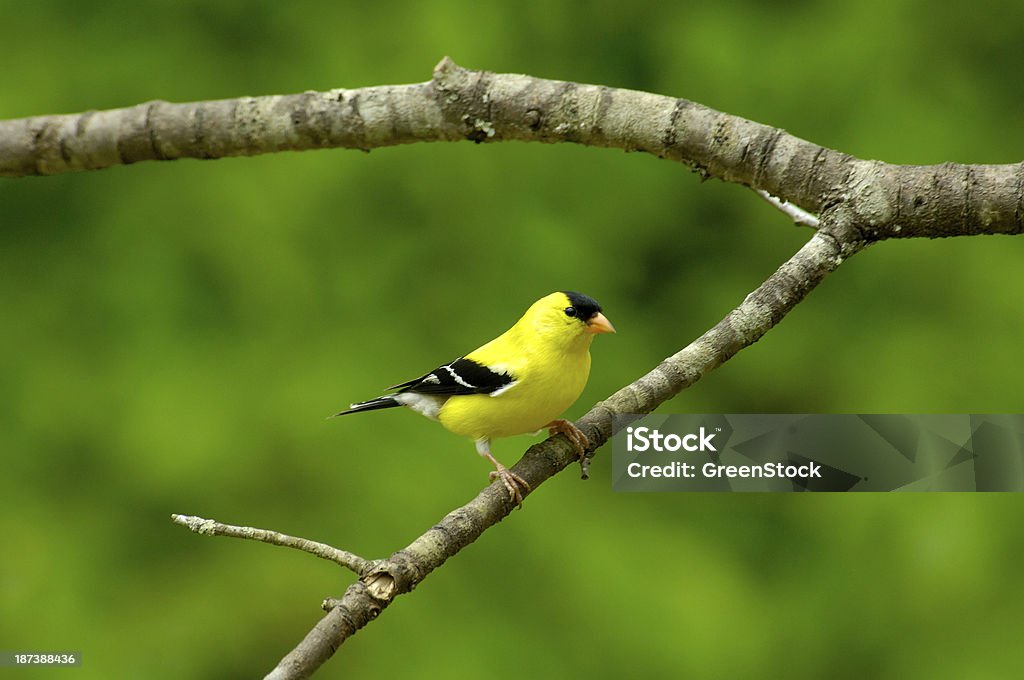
x=371 y=405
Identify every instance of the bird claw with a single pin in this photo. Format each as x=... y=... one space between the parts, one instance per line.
x=572 y=433
x=512 y=482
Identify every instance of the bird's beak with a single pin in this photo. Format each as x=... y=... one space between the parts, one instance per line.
x=599 y=323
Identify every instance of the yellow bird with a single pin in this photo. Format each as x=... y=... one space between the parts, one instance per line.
x=519 y=382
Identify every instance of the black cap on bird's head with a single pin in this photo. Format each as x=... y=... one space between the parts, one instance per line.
x=587 y=310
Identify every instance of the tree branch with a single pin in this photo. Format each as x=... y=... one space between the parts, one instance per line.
x=888 y=200
x=209 y=527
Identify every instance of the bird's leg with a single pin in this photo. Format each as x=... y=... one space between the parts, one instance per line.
x=511 y=480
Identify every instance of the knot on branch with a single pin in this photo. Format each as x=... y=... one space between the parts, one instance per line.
x=445 y=68
x=464 y=99
x=380 y=581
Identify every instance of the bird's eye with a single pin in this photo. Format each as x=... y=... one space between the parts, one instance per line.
x=570 y=311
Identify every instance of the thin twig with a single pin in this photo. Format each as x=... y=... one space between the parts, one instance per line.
x=210 y=527
x=800 y=217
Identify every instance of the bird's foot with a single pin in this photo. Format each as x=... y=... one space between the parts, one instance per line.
x=578 y=440
x=573 y=433
x=512 y=482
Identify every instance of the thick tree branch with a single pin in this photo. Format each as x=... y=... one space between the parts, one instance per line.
x=889 y=200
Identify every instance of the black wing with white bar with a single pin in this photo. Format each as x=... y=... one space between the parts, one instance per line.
x=462 y=376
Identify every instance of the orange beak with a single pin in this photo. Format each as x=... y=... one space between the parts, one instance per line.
x=599 y=323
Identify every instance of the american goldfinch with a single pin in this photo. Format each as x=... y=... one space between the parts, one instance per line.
x=517 y=383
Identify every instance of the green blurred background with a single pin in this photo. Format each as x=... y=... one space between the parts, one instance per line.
x=173 y=335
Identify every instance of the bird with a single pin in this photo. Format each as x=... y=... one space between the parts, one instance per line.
x=518 y=383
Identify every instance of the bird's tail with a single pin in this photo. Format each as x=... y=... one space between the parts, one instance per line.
x=371 y=405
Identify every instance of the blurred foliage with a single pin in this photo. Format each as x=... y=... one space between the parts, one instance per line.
x=174 y=334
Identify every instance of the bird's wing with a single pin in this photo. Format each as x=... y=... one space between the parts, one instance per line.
x=462 y=376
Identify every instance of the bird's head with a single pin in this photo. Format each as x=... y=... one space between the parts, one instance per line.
x=568 y=317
